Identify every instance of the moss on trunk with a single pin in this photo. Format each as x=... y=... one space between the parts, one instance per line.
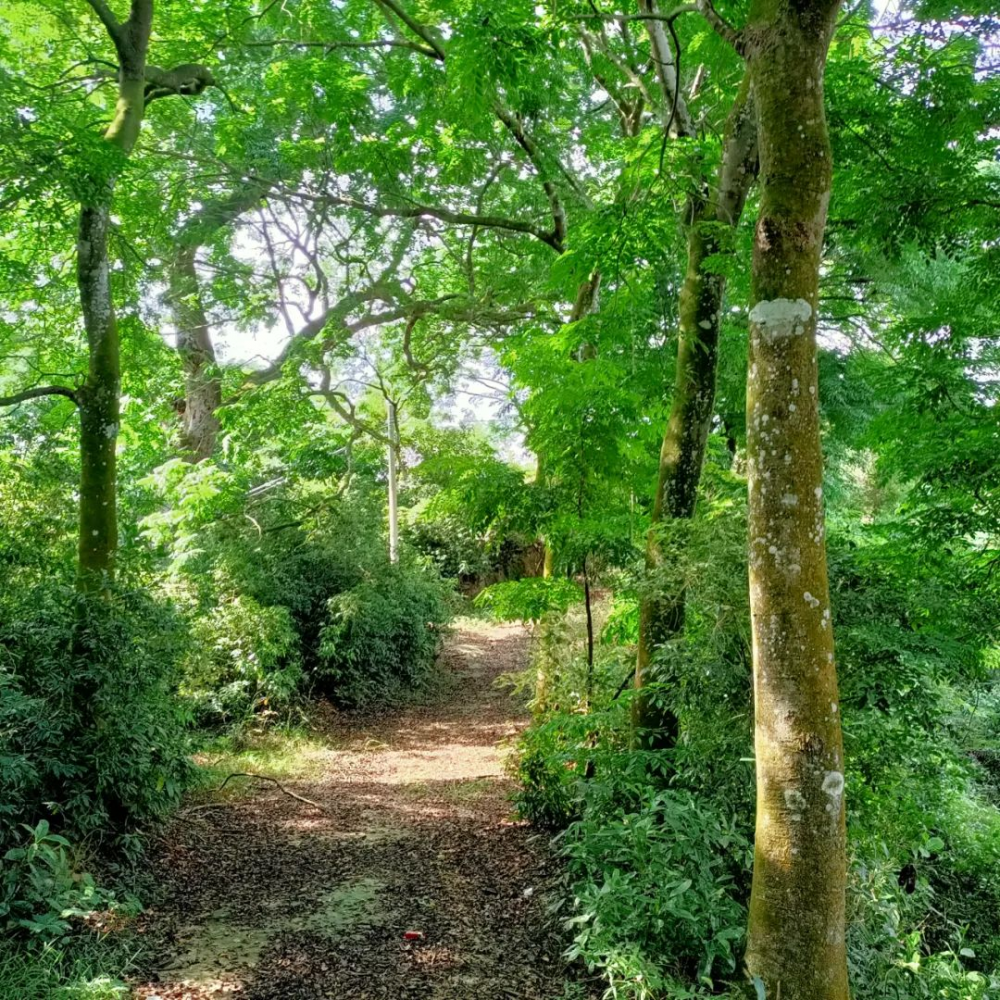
x=661 y=613
x=796 y=946
x=98 y=402
x=98 y=398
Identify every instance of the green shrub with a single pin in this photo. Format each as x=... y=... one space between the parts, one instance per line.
x=453 y=547
x=243 y=665
x=654 y=893
x=381 y=637
x=91 y=737
x=527 y=600
x=40 y=891
x=88 y=972
x=621 y=627
x=549 y=763
x=889 y=951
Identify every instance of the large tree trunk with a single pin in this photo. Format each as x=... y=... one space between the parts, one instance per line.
x=203 y=387
x=796 y=946
x=98 y=402
x=661 y=612
x=99 y=396
x=203 y=384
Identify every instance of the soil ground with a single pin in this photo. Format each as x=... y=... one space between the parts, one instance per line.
x=265 y=897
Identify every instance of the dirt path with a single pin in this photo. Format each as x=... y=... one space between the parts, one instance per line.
x=270 y=899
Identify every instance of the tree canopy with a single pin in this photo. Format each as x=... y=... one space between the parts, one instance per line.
x=672 y=334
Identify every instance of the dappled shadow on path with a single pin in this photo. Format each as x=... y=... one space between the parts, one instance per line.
x=267 y=898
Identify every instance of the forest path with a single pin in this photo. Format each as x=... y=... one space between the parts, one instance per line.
x=268 y=898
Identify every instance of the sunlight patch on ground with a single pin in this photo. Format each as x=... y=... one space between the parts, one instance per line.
x=216 y=952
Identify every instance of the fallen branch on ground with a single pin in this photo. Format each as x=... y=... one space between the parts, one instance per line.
x=259 y=777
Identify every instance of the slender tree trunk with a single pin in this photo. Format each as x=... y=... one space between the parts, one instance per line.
x=588 y=300
x=661 y=612
x=98 y=400
x=99 y=396
x=796 y=947
x=203 y=386
x=590 y=634
x=393 y=486
x=547 y=554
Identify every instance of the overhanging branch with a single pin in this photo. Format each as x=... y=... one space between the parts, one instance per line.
x=37 y=393
x=420 y=30
x=553 y=238
x=704 y=7
x=111 y=23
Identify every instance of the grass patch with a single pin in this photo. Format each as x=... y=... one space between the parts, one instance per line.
x=222 y=942
x=459 y=792
x=284 y=754
x=92 y=971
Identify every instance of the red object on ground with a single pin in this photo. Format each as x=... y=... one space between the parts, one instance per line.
x=413 y=936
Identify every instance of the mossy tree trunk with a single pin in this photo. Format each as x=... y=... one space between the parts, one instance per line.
x=796 y=947
x=98 y=397
x=661 y=612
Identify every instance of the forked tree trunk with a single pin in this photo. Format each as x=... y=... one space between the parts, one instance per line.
x=98 y=397
x=796 y=946
x=661 y=612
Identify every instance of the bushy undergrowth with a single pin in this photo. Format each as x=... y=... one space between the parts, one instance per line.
x=93 y=749
x=380 y=637
x=229 y=613
x=655 y=880
x=658 y=844
x=282 y=606
x=244 y=664
x=91 y=737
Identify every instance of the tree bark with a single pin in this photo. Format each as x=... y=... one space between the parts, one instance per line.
x=661 y=614
x=98 y=397
x=203 y=386
x=98 y=400
x=796 y=945
x=393 y=434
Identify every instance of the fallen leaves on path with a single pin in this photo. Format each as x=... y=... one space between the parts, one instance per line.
x=272 y=899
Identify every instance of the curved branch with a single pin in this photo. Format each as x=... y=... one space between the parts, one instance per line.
x=37 y=393
x=379 y=43
x=704 y=7
x=514 y=126
x=420 y=30
x=667 y=71
x=720 y=25
x=553 y=239
x=111 y=23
